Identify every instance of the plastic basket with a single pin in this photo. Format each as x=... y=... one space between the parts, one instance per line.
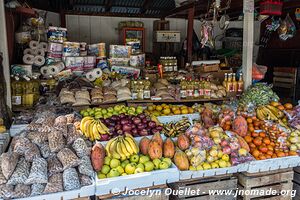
x=271 y=7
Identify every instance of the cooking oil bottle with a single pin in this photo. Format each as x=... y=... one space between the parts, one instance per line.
x=190 y=89
x=240 y=84
x=196 y=89
x=229 y=85
x=234 y=83
x=36 y=89
x=147 y=85
x=27 y=97
x=225 y=80
x=207 y=89
x=183 y=85
x=140 y=90
x=201 y=88
x=134 y=89
x=17 y=91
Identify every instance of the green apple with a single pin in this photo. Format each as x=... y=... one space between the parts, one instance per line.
x=115 y=113
x=140 y=165
x=120 y=169
x=123 y=110
x=144 y=159
x=131 y=112
x=199 y=167
x=107 y=160
x=88 y=109
x=192 y=168
x=113 y=173
x=105 y=169
x=134 y=158
x=124 y=174
x=110 y=110
x=130 y=168
x=91 y=113
x=104 y=111
x=139 y=168
x=124 y=163
x=139 y=109
x=109 y=115
x=117 y=108
x=85 y=114
x=114 y=163
x=101 y=176
x=81 y=112
x=156 y=163
x=163 y=165
x=149 y=166
x=167 y=160
x=98 y=109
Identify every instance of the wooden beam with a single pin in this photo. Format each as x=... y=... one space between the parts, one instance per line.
x=113 y=14
x=179 y=9
x=4 y=50
x=63 y=19
x=108 y=5
x=248 y=42
x=190 y=29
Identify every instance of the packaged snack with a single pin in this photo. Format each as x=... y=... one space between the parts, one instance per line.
x=80 y=148
x=6 y=191
x=56 y=140
x=54 y=166
x=45 y=151
x=85 y=180
x=21 y=145
x=38 y=172
x=68 y=158
x=32 y=152
x=70 y=179
x=9 y=162
x=61 y=120
x=37 y=189
x=2 y=177
x=21 y=191
x=55 y=184
x=85 y=166
x=37 y=138
x=20 y=174
x=72 y=134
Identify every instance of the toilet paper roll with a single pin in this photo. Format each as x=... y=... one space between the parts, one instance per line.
x=39 y=52
x=28 y=51
x=94 y=74
x=43 y=45
x=53 y=69
x=44 y=71
x=28 y=59
x=33 y=44
x=39 y=61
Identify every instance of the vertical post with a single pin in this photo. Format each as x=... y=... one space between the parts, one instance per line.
x=248 y=43
x=190 y=28
x=4 y=50
x=62 y=15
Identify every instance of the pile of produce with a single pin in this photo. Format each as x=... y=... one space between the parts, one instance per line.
x=124 y=156
x=173 y=129
x=110 y=111
x=94 y=129
x=167 y=110
x=49 y=157
x=257 y=95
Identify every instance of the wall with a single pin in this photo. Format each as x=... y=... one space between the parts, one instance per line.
x=94 y=29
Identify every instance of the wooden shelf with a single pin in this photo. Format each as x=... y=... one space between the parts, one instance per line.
x=180 y=101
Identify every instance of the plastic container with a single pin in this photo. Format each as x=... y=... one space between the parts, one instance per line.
x=271 y=7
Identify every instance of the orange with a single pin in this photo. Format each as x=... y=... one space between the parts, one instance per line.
x=270 y=148
x=288 y=106
x=228 y=122
x=262 y=134
x=280 y=107
x=255 y=134
x=251 y=128
x=293 y=153
x=191 y=110
x=263 y=148
x=275 y=103
x=262 y=157
x=272 y=144
x=274 y=156
x=266 y=140
x=248 y=138
x=270 y=153
x=255 y=153
x=256 y=124
x=268 y=156
x=280 y=154
x=249 y=120
x=257 y=141
x=251 y=145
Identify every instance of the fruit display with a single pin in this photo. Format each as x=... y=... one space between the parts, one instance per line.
x=94 y=129
x=167 y=110
x=293 y=116
x=123 y=156
x=173 y=129
x=139 y=125
x=99 y=113
x=2 y=127
x=257 y=95
x=270 y=112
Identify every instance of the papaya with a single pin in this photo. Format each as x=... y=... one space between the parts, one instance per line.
x=181 y=160
x=240 y=126
x=154 y=150
x=169 y=148
x=183 y=142
x=144 y=145
x=97 y=156
x=158 y=138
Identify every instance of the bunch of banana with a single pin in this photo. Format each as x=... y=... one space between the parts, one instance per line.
x=174 y=129
x=269 y=112
x=93 y=128
x=122 y=147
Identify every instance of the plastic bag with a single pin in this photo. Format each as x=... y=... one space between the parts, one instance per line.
x=72 y=134
x=9 y=162
x=70 y=179
x=60 y=121
x=21 y=173
x=38 y=172
x=68 y=158
x=21 y=145
x=70 y=118
x=37 y=189
x=21 y=191
x=45 y=151
x=86 y=167
x=55 y=184
x=81 y=148
x=37 y=138
x=54 y=166
x=85 y=180
x=32 y=152
x=2 y=177
x=199 y=138
x=6 y=191
x=56 y=141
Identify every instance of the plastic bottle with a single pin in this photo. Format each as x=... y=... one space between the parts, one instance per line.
x=183 y=92
x=190 y=89
x=240 y=84
x=17 y=92
x=147 y=86
x=207 y=89
x=196 y=89
x=234 y=84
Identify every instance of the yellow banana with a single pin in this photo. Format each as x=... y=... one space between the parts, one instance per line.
x=259 y=113
x=86 y=130
x=96 y=132
x=83 y=121
x=90 y=131
x=128 y=147
x=269 y=114
x=132 y=143
x=100 y=129
x=119 y=150
x=278 y=113
x=108 y=146
x=124 y=148
x=103 y=126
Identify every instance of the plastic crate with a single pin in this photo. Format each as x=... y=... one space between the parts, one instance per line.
x=271 y=7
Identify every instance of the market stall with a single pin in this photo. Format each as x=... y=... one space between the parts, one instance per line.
x=107 y=120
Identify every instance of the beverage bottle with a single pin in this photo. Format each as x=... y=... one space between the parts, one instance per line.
x=190 y=89
x=140 y=90
x=147 y=86
x=183 y=92
x=207 y=89
x=196 y=89
x=229 y=85
x=225 y=80
x=240 y=84
x=17 y=92
x=234 y=84
x=201 y=88
x=36 y=89
x=28 y=95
